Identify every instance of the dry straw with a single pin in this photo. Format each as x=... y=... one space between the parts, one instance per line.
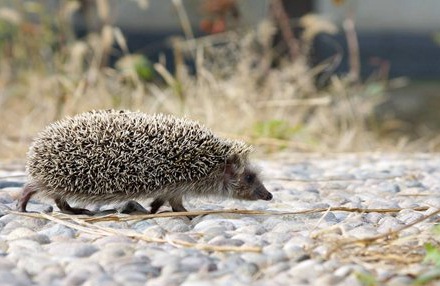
x=336 y=247
x=241 y=82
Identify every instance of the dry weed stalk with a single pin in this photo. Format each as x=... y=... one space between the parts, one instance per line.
x=236 y=87
x=86 y=224
x=389 y=250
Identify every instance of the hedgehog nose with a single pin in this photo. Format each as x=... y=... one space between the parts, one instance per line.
x=268 y=196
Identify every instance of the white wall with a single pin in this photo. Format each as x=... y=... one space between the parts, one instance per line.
x=406 y=15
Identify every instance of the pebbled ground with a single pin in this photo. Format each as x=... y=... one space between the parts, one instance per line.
x=329 y=246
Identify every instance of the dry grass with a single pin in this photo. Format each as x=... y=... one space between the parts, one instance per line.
x=235 y=89
x=390 y=249
x=396 y=252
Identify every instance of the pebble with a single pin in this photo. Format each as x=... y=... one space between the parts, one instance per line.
x=101 y=280
x=72 y=249
x=58 y=232
x=409 y=216
x=36 y=263
x=363 y=231
x=277 y=237
x=130 y=278
x=222 y=241
x=154 y=231
x=173 y=280
x=373 y=217
x=275 y=254
x=306 y=270
x=181 y=237
x=432 y=202
x=9 y=278
x=20 y=247
x=258 y=259
x=275 y=269
x=327 y=279
x=141 y=226
x=254 y=229
x=347 y=269
x=6 y=264
x=295 y=249
x=400 y=281
x=78 y=277
x=389 y=223
x=20 y=232
x=5 y=198
x=179 y=224
x=207 y=223
x=213 y=232
x=197 y=263
x=115 y=251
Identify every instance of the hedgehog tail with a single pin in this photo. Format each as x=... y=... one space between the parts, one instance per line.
x=28 y=191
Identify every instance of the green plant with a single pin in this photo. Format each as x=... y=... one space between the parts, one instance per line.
x=366 y=279
x=275 y=128
x=432 y=256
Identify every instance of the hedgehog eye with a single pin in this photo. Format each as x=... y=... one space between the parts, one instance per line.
x=249 y=178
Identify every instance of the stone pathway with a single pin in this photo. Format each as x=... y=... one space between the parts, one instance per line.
x=325 y=247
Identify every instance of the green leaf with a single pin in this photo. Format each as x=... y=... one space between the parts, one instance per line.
x=432 y=254
x=427 y=277
x=366 y=279
x=275 y=128
x=436 y=229
x=144 y=68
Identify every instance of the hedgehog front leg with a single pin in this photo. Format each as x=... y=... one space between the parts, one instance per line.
x=177 y=205
x=66 y=208
x=28 y=191
x=156 y=204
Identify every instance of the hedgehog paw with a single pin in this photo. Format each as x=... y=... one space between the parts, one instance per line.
x=66 y=208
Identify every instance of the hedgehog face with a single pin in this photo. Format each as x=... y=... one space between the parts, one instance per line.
x=250 y=187
x=242 y=182
x=246 y=185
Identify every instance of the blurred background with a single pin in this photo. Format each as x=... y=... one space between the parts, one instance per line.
x=315 y=76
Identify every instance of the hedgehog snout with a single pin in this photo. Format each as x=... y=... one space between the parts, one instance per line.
x=262 y=193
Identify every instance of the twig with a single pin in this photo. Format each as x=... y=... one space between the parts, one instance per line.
x=85 y=224
x=184 y=20
x=118 y=217
x=286 y=29
x=325 y=100
x=90 y=228
x=369 y=240
x=353 y=46
x=393 y=233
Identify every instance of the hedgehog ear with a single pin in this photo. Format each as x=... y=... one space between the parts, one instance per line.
x=233 y=165
x=233 y=159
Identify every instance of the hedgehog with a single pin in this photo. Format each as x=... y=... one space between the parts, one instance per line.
x=112 y=156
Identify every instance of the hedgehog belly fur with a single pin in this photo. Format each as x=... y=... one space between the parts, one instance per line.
x=111 y=156
x=210 y=185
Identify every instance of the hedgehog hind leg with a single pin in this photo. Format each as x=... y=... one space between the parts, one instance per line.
x=28 y=191
x=66 y=208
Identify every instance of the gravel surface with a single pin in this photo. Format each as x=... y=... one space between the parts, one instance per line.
x=325 y=247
